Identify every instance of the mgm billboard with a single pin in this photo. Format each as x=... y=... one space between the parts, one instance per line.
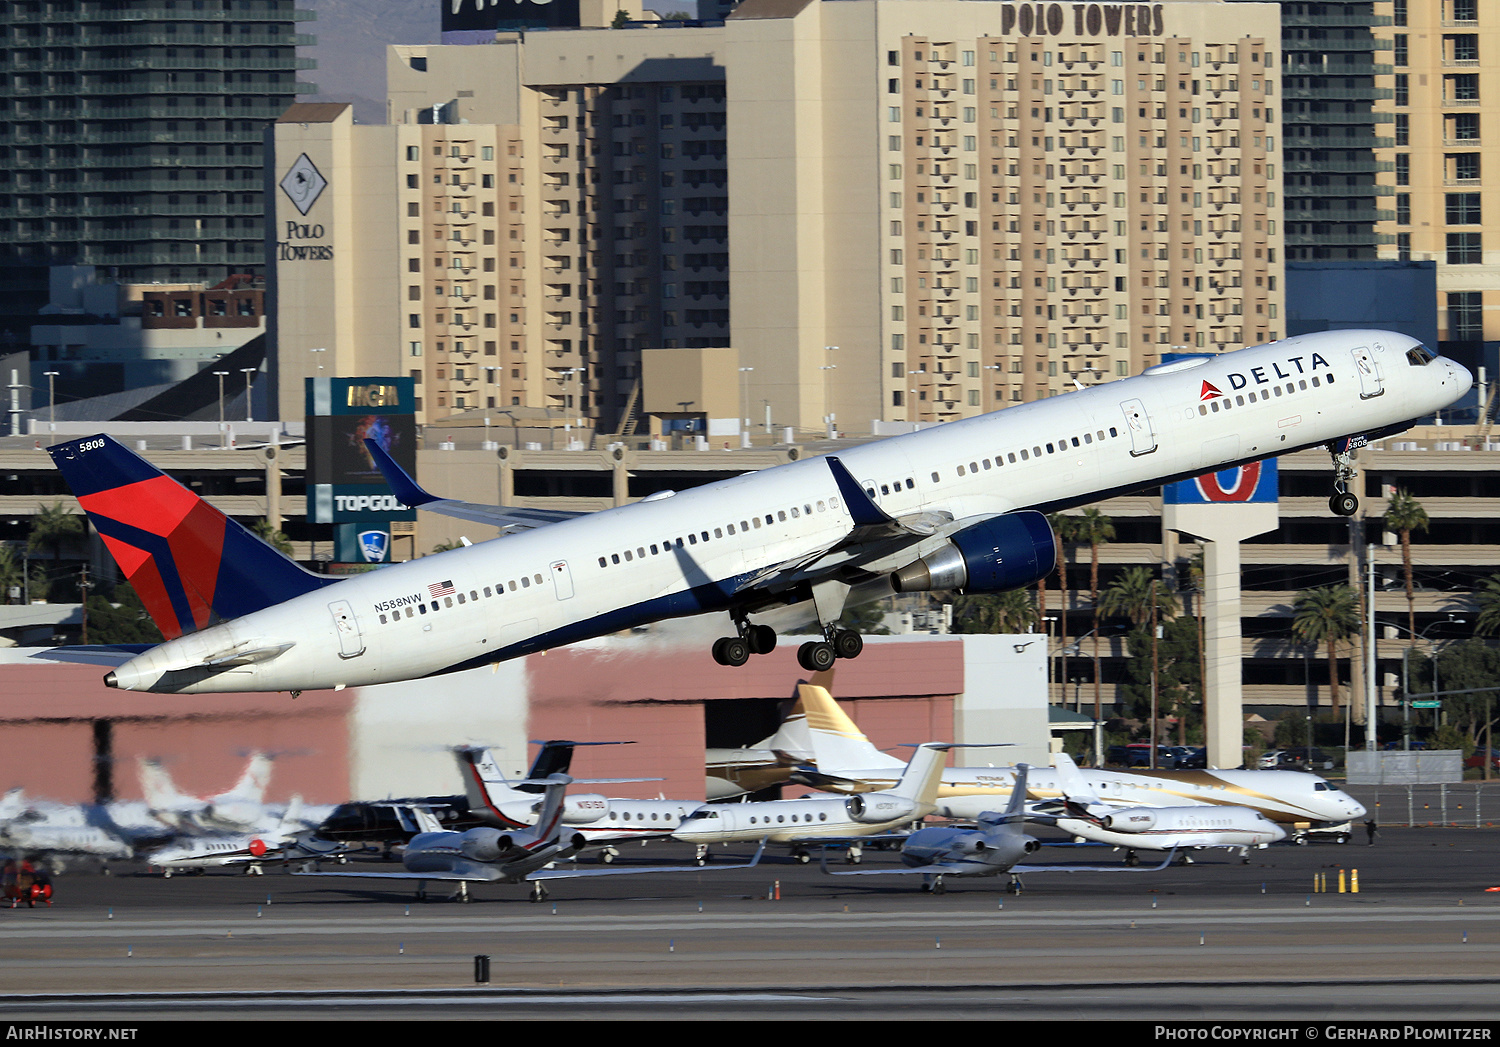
x=343 y=484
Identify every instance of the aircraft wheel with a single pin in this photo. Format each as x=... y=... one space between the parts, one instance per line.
x=1300 y=841
x=731 y=650
x=761 y=638
x=1131 y=858
x=802 y=856
x=926 y=887
x=816 y=656
x=1343 y=504
x=538 y=891
x=938 y=887
x=848 y=644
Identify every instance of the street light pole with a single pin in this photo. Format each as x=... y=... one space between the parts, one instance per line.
x=51 y=401
x=223 y=432
x=249 y=373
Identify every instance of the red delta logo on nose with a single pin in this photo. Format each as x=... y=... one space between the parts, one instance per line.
x=1208 y=392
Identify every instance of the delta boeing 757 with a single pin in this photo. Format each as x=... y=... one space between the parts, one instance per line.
x=953 y=507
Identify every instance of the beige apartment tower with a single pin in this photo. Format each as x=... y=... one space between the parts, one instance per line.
x=892 y=210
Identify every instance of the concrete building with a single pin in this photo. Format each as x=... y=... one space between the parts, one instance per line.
x=108 y=336
x=937 y=208
x=130 y=137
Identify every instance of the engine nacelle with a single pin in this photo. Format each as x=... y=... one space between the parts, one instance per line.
x=484 y=844
x=584 y=808
x=1007 y=552
x=1130 y=820
x=871 y=808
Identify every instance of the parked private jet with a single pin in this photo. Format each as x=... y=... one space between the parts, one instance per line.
x=953 y=507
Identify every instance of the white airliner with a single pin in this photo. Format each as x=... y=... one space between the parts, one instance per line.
x=845 y=761
x=1084 y=815
x=954 y=507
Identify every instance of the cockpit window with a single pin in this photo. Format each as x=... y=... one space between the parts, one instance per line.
x=1419 y=355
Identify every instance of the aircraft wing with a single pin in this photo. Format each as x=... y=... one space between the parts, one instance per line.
x=503 y=517
x=449 y=877
x=627 y=870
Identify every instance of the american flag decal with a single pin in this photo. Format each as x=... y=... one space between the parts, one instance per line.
x=441 y=589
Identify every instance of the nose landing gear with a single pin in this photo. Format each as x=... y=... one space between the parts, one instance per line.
x=1342 y=502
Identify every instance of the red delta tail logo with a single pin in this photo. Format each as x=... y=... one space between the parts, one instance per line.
x=189 y=531
x=1208 y=392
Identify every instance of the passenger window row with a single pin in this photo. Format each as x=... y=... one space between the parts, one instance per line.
x=413 y=610
x=723 y=531
x=1036 y=451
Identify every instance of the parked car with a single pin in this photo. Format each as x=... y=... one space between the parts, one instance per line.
x=1477 y=760
x=1298 y=758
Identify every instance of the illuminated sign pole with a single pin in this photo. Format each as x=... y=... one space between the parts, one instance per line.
x=344 y=487
x=1222 y=509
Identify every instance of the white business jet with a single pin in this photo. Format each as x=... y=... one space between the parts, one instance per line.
x=1084 y=815
x=953 y=507
x=844 y=760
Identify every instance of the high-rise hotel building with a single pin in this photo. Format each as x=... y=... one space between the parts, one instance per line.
x=1441 y=167
x=898 y=210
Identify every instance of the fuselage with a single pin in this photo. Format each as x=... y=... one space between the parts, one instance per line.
x=788 y=821
x=1168 y=828
x=714 y=547
x=1284 y=797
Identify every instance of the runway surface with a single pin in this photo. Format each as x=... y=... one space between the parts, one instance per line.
x=1216 y=939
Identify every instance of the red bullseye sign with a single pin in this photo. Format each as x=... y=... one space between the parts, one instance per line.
x=258 y=848
x=1245 y=479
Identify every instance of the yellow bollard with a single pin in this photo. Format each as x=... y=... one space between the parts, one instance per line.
x=1353 y=881
x=1341 y=881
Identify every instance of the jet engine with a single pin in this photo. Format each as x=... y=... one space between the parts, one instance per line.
x=484 y=844
x=870 y=808
x=1130 y=820
x=1003 y=553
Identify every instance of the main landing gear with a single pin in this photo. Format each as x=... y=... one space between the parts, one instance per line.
x=818 y=656
x=752 y=639
x=1342 y=502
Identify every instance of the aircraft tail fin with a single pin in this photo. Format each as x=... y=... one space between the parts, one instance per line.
x=923 y=775
x=487 y=789
x=554 y=757
x=190 y=564
x=1074 y=786
x=159 y=790
x=549 y=818
x=254 y=782
x=836 y=741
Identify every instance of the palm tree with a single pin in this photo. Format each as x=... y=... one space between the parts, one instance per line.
x=1488 y=597
x=1096 y=529
x=1404 y=515
x=1129 y=596
x=12 y=573
x=1326 y=615
x=51 y=527
x=1011 y=612
x=273 y=537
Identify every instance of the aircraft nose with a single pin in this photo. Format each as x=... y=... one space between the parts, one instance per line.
x=1356 y=810
x=1461 y=375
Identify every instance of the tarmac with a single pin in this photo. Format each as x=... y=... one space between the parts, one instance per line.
x=1271 y=939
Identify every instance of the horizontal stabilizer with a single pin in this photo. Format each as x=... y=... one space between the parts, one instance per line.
x=410 y=493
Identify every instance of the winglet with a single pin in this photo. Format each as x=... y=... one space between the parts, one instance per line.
x=402 y=486
x=861 y=506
